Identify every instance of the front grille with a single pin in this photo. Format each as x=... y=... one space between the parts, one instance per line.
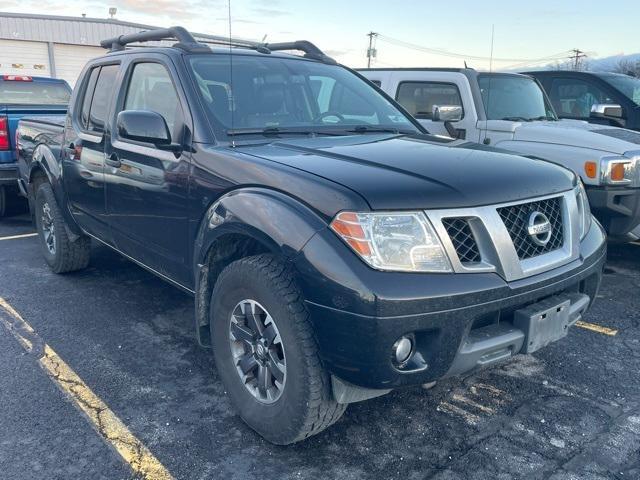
x=462 y=238
x=516 y=219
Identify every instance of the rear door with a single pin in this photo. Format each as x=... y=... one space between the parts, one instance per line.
x=83 y=151
x=147 y=188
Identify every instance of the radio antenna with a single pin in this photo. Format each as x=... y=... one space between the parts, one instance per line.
x=487 y=107
x=493 y=30
x=232 y=101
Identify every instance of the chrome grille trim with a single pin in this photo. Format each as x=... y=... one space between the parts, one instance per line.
x=516 y=217
x=495 y=244
x=463 y=240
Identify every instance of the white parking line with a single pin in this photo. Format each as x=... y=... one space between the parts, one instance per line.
x=16 y=237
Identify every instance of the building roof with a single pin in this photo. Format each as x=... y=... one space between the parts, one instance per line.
x=68 y=30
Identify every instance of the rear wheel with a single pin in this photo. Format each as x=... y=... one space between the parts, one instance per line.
x=62 y=254
x=266 y=353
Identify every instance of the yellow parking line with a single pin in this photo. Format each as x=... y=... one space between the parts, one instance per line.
x=106 y=423
x=16 y=237
x=596 y=328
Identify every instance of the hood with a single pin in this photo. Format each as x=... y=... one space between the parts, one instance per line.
x=575 y=133
x=395 y=173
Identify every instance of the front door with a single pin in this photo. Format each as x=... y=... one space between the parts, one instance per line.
x=418 y=92
x=147 y=188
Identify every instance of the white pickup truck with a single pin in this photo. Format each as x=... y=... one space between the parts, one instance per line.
x=511 y=111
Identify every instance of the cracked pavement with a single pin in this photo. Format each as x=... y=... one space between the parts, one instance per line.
x=569 y=412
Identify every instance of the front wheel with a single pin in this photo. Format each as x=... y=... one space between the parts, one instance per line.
x=266 y=353
x=62 y=254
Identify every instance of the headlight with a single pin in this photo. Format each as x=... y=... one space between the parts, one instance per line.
x=619 y=171
x=393 y=241
x=583 y=209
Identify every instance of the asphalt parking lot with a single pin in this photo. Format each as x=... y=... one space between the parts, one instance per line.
x=570 y=411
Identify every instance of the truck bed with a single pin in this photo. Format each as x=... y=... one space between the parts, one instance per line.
x=32 y=131
x=15 y=113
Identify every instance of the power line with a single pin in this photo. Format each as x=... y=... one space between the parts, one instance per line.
x=446 y=53
x=576 y=57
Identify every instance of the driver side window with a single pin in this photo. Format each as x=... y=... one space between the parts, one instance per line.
x=150 y=88
x=573 y=97
x=419 y=98
x=333 y=97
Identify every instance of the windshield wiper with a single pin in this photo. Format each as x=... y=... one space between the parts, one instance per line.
x=516 y=119
x=274 y=131
x=374 y=129
x=543 y=117
x=532 y=119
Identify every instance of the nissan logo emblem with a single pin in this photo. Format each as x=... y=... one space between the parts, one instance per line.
x=539 y=228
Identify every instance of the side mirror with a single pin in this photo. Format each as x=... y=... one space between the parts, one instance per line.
x=446 y=113
x=143 y=126
x=599 y=110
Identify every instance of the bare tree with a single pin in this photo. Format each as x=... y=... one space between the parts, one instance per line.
x=628 y=67
x=581 y=65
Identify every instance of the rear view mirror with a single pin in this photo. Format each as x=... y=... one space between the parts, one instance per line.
x=446 y=113
x=610 y=110
x=143 y=126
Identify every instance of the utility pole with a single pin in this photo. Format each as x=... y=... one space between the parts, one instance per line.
x=577 y=55
x=371 y=51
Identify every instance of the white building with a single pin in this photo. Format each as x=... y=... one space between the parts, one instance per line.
x=55 y=46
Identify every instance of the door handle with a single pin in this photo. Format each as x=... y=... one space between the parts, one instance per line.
x=113 y=160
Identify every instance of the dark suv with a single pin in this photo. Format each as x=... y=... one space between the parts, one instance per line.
x=597 y=97
x=335 y=250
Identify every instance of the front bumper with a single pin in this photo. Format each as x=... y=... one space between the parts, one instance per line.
x=617 y=208
x=358 y=313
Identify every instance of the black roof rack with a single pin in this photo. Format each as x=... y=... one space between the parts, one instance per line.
x=187 y=42
x=309 y=49
x=184 y=38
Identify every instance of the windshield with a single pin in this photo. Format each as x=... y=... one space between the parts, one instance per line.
x=275 y=95
x=33 y=93
x=628 y=86
x=510 y=97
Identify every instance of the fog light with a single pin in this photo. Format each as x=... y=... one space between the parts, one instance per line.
x=402 y=349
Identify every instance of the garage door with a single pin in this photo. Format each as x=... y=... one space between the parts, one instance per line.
x=18 y=57
x=71 y=59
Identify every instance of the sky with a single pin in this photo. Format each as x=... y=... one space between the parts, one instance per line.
x=525 y=33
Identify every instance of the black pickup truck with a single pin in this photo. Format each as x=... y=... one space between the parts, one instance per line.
x=334 y=248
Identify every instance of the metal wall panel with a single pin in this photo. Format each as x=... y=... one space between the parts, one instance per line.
x=24 y=58
x=71 y=59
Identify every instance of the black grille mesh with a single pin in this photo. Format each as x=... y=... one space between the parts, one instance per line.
x=462 y=238
x=516 y=219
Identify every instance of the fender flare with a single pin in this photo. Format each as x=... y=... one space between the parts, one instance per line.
x=45 y=160
x=279 y=222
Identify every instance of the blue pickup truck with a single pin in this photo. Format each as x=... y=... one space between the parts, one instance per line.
x=23 y=96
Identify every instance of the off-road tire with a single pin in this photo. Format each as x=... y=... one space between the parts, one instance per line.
x=69 y=255
x=306 y=405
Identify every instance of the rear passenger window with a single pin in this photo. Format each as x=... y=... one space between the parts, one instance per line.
x=151 y=88
x=102 y=98
x=88 y=96
x=418 y=98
